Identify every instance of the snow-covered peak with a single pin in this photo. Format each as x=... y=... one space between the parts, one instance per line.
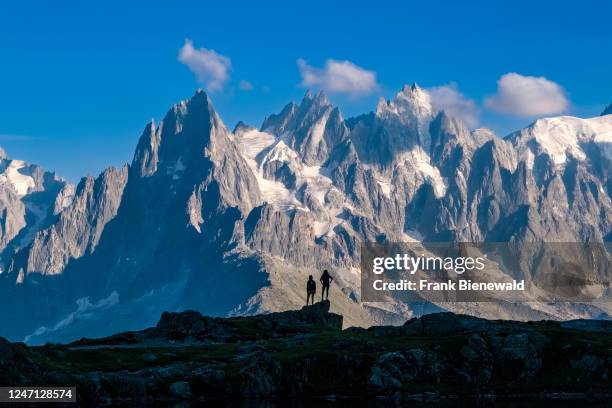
x=18 y=175
x=282 y=153
x=410 y=109
x=564 y=135
x=411 y=103
x=415 y=92
x=415 y=99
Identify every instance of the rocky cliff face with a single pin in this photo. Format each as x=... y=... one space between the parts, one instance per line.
x=233 y=222
x=80 y=224
x=30 y=200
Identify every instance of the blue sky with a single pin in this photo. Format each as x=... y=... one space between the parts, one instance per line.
x=78 y=82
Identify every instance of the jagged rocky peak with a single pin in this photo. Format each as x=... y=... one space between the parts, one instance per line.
x=241 y=128
x=448 y=132
x=191 y=125
x=30 y=199
x=79 y=226
x=398 y=126
x=190 y=130
x=411 y=103
x=607 y=111
x=193 y=148
x=319 y=99
x=293 y=116
x=146 y=155
x=313 y=128
x=278 y=122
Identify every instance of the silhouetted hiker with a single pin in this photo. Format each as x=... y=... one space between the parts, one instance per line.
x=311 y=289
x=326 y=279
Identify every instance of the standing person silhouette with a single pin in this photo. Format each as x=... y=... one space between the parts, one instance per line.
x=311 y=289
x=326 y=279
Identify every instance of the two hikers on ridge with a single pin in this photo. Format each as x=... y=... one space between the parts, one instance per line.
x=311 y=286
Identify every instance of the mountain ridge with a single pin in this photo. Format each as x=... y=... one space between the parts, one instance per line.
x=200 y=208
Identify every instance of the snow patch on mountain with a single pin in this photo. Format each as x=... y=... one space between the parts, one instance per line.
x=251 y=144
x=275 y=192
x=64 y=198
x=385 y=186
x=319 y=128
x=18 y=175
x=280 y=152
x=418 y=159
x=261 y=149
x=39 y=215
x=318 y=182
x=562 y=136
x=85 y=310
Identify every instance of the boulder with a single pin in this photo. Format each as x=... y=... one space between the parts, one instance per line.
x=477 y=362
x=210 y=381
x=123 y=385
x=444 y=323
x=192 y=325
x=518 y=353
x=393 y=370
x=180 y=390
x=316 y=315
x=149 y=357
x=261 y=377
x=591 y=367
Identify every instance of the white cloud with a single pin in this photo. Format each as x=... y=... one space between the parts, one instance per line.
x=453 y=102
x=527 y=96
x=245 y=85
x=338 y=77
x=210 y=68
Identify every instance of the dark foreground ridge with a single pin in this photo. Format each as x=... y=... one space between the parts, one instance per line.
x=305 y=353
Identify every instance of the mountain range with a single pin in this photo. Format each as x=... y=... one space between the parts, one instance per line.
x=232 y=222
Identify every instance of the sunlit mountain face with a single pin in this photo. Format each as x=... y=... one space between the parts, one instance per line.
x=232 y=222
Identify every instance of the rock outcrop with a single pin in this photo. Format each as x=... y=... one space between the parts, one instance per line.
x=303 y=353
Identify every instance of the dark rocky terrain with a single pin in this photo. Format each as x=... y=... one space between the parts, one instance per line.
x=303 y=354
